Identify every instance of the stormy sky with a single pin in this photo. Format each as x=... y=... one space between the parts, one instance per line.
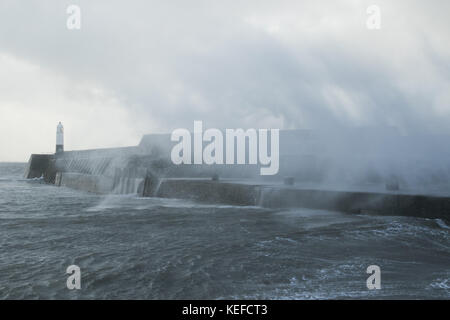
x=139 y=67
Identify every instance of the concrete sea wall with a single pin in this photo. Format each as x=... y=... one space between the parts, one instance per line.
x=98 y=184
x=41 y=166
x=286 y=197
x=85 y=182
x=143 y=183
x=209 y=191
x=147 y=170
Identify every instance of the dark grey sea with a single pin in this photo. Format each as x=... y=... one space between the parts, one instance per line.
x=149 y=248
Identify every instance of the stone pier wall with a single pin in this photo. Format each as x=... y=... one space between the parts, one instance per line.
x=41 y=166
x=395 y=204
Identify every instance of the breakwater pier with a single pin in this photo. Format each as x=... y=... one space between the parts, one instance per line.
x=146 y=170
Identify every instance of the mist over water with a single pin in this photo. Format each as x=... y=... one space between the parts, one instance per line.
x=150 y=248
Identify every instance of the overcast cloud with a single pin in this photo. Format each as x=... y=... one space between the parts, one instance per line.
x=139 y=67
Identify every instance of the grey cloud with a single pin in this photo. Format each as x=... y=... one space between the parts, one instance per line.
x=174 y=62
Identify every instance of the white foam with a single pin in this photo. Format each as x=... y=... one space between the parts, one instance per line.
x=441 y=224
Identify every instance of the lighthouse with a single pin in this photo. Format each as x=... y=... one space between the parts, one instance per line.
x=59 y=138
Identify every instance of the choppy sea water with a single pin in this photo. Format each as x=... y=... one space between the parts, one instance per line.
x=148 y=248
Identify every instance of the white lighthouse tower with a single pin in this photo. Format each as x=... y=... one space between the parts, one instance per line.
x=59 y=138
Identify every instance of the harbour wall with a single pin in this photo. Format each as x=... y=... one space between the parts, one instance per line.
x=147 y=170
x=41 y=166
x=99 y=184
x=396 y=204
x=242 y=194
